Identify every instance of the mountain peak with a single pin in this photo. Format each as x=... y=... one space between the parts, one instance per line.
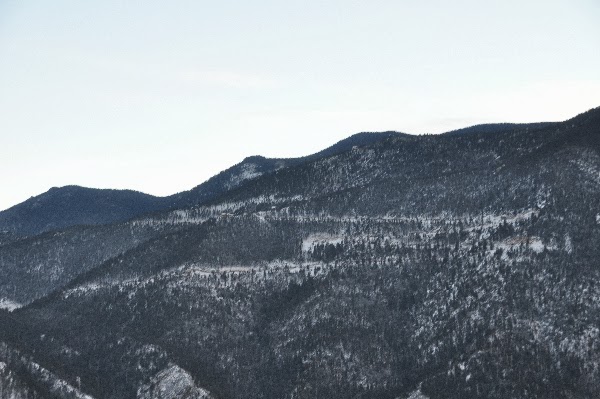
x=254 y=158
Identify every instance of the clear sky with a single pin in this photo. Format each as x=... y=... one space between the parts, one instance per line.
x=158 y=96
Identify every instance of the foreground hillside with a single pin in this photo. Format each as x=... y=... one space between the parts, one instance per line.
x=453 y=266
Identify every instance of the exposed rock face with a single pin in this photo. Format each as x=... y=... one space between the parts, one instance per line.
x=417 y=395
x=172 y=382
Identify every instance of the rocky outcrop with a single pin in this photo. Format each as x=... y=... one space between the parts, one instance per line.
x=172 y=382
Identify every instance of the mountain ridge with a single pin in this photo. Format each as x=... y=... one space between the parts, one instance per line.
x=124 y=204
x=53 y=210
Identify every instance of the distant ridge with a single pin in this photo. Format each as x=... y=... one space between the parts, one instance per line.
x=67 y=206
x=62 y=207
x=73 y=205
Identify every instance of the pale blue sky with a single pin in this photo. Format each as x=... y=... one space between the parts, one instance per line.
x=158 y=96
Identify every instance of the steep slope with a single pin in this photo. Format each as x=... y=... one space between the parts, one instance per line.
x=22 y=378
x=34 y=266
x=449 y=266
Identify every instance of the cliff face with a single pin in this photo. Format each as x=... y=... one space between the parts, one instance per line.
x=172 y=383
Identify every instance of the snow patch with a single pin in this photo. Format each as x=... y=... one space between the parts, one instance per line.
x=84 y=289
x=320 y=238
x=9 y=305
x=535 y=243
x=417 y=394
x=247 y=171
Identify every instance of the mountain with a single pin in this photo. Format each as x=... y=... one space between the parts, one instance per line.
x=73 y=205
x=448 y=266
x=79 y=246
x=255 y=166
x=67 y=206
